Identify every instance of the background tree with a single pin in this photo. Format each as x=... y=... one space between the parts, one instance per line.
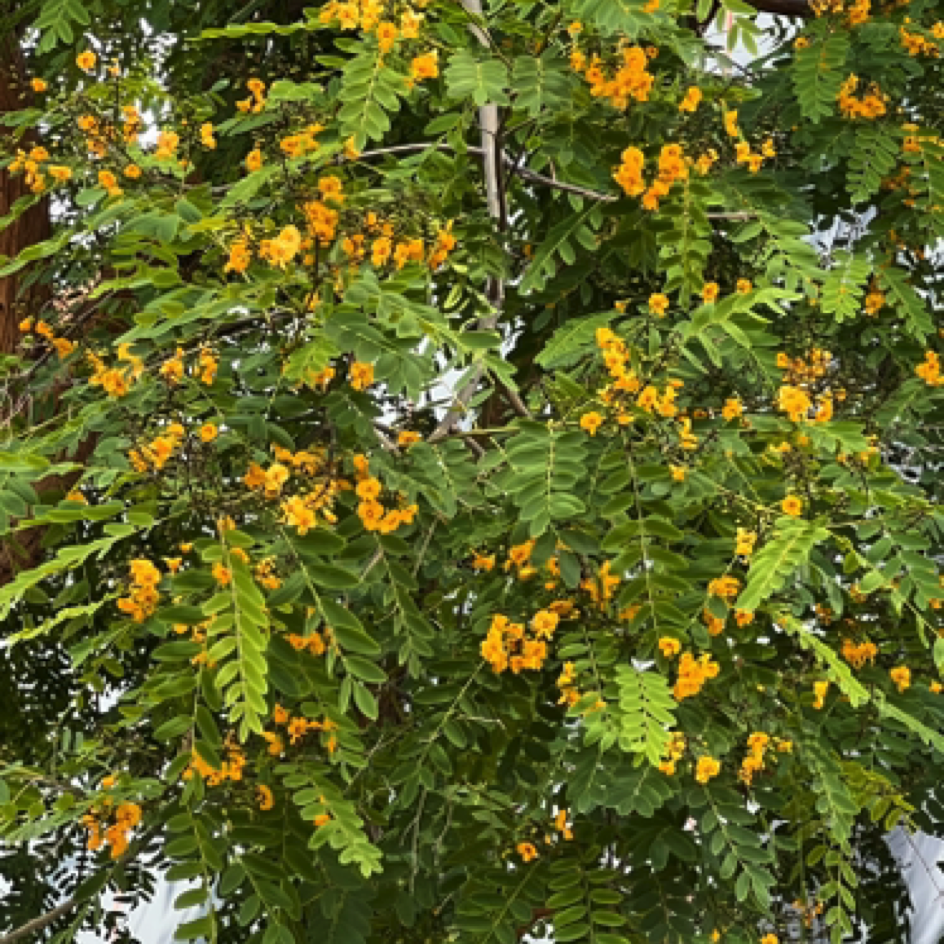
x=485 y=465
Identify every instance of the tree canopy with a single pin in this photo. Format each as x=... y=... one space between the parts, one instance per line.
x=471 y=473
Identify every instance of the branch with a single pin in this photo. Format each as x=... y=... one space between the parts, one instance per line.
x=783 y=7
x=37 y=924
x=525 y=174
x=494 y=287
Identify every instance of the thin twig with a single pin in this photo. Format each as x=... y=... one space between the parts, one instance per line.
x=494 y=287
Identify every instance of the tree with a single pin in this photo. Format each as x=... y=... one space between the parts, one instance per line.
x=489 y=471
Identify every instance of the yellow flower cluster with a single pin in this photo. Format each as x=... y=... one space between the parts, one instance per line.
x=857 y=12
x=857 y=654
x=602 y=587
x=929 y=370
x=116 y=381
x=31 y=165
x=754 y=760
x=674 y=749
x=143 y=596
x=507 y=644
x=368 y=15
x=230 y=769
x=754 y=159
x=156 y=453
x=630 y=81
x=706 y=768
x=64 y=347
x=726 y=587
x=127 y=816
x=693 y=673
x=567 y=684
x=374 y=516
x=871 y=105
x=281 y=250
x=918 y=45
x=256 y=102
x=315 y=642
x=672 y=166
x=298 y=727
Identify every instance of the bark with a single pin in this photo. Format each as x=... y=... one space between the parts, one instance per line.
x=34 y=225
x=16 y=303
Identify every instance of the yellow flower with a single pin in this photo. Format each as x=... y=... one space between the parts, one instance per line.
x=361 y=375
x=407 y=438
x=709 y=292
x=901 y=676
x=387 y=35
x=39 y=85
x=264 y=797
x=527 y=851
x=64 y=347
x=692 y=99
x=424 y=67
x=730 y=124
x=658 y=303
x=86 y=60
x=223 y=575
x=591 y=422
x=669 y=647
x=706 y=768
x=208 y=432
x=819 y=694
x=792 y=506
x=678 y=472
x=254 y=160
x=744 y=287
x=770 y=939
x=484 y=562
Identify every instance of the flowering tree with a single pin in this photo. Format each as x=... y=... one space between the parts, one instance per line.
x=471 y=473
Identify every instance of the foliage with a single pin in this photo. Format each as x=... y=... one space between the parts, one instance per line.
x=477 y=474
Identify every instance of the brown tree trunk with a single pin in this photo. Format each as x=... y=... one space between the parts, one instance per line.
x=34 y=225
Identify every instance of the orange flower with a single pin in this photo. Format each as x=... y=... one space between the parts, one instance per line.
x=208 y=432
x=792 y=506
x=39 y=85
x=86 y=60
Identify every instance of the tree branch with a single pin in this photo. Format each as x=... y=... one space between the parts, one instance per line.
x=494 y=287
x=37 y=924
x=783 y=7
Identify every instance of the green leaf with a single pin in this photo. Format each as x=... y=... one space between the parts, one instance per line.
x=778 y=559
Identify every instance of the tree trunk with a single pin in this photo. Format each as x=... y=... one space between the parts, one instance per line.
x=34 y=225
